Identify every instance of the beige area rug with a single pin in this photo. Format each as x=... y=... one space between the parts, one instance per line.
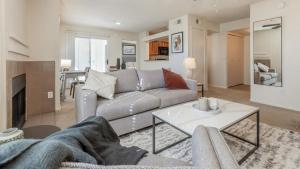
x=280 y=148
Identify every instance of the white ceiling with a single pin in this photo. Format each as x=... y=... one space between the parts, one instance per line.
x=141 y=15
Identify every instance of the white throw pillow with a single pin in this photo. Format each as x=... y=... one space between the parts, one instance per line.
x=101 y=83
x=263 y=67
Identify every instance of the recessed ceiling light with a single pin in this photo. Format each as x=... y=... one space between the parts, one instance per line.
x=118 y=23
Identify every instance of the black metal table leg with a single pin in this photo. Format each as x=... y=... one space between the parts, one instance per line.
x=153 y=134
x=202 y=88
x=257 y=128
x=256 y=145
x=239 y=162
x=169 y=146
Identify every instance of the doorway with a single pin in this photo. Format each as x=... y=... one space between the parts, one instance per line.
x=238 y=58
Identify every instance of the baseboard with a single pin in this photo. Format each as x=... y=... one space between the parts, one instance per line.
x=58 y=108
x=223 y=87
x=276 y=106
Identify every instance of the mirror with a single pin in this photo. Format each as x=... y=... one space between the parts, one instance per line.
x=267 y=52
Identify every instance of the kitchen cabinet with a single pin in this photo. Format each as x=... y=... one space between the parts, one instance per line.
x=154 y=45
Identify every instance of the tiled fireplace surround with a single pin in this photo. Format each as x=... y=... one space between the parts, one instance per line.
x=40 y=78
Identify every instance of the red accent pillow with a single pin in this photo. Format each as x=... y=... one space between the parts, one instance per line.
x=173 y=80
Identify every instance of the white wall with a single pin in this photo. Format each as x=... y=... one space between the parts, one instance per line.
x=217 y=59
x=114 y=40
x=198 y=35
x=187 y=25
x=17 y=10
x=143 y=57
x=16 y=29
x=12 y=23
x=2 y=67
x=176 y=59
x=217 y=56
x=175 y=62
x=247 y=60
x=288 y=95
x=43 y=29
x=235 y=25
x=43 y=35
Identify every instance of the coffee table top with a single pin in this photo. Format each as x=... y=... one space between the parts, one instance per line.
x=186 y=118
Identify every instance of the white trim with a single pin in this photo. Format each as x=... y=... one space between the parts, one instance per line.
x=217 y=86
x=58 y=108
x=129 y=41
x=3 y=108
x=87 y=35
x=156 y=36
x=18 y=41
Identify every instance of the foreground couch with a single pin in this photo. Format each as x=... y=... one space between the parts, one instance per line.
x=209 y=151
x=137 y=94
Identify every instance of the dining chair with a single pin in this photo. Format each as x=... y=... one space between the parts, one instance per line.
x=73 y=84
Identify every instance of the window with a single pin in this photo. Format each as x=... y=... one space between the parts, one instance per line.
x=91 y=53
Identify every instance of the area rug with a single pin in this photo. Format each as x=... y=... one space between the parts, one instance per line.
x=279 y=149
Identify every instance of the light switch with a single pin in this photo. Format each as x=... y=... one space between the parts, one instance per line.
x=50 y=95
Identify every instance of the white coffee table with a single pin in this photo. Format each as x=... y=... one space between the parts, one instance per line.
x=185 y=118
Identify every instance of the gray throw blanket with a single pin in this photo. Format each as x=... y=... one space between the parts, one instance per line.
x=91 y=141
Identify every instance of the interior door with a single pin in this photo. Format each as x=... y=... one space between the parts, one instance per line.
x=235 y=60
x=198 y=52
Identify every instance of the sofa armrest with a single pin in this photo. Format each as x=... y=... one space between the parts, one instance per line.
x=85 y=103
x=76 y=165
x=209 y=150
x=192 y=84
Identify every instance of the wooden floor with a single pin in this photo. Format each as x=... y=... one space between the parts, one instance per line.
x=275 y=116
x=279 y=117
x=62 y=119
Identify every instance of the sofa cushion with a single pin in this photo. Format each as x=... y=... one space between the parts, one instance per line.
x=151 y=79
x=173 y=97
x=127 y=80
x=126 y=104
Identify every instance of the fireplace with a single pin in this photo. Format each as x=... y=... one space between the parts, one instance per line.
x=18 y=100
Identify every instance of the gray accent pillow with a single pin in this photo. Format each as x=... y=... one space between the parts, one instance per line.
x=127 y=80
x=151 y=79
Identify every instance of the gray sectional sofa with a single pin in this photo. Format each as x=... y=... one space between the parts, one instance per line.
x=137 y=94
